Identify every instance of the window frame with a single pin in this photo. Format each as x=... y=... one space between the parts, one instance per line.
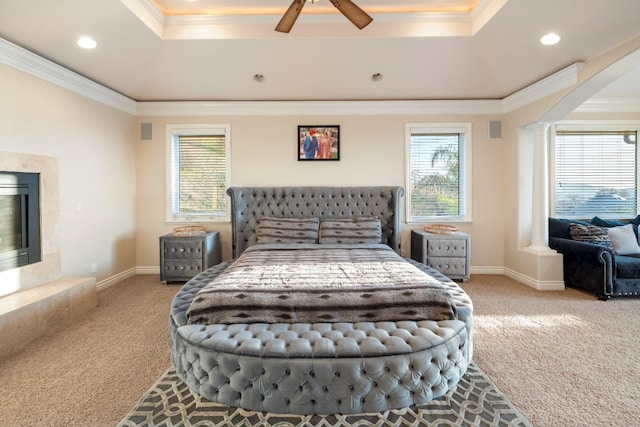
x=173 y=130
x=589 y=126
x=464 y=128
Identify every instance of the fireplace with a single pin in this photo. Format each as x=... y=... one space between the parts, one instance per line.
x=19 y=219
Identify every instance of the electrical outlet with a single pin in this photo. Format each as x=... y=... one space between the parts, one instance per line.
x=94 y=267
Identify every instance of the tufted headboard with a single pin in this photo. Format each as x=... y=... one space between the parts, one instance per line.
x=249 y=204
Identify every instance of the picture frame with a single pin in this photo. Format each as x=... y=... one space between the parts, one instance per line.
x=318 y=142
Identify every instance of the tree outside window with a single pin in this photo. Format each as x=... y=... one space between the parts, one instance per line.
x=437 y=188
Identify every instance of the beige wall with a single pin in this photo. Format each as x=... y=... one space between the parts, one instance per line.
x=95 y=154
x=372 y=152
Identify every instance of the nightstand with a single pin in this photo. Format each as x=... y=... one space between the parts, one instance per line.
x=447 y=253
x=182 y=257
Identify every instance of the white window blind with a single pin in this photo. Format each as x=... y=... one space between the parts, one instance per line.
x=595 y=174
x=198 y=174
x=437 y=184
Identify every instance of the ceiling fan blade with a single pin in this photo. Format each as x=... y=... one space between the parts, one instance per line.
x=353 y=13
x=290 y=16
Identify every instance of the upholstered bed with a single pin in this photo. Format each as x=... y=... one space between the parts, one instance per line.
x=380 y=359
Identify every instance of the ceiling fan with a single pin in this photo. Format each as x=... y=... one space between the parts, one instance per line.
x=350 y=10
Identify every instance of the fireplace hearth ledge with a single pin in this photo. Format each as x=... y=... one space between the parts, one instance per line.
x=29 y=314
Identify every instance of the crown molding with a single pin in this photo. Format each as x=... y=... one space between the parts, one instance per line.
x=610 y=105
x=211 y=27
x=483 y=12
x=554 y=83
x=148 y=13
x=324 y=108
x=30 y=63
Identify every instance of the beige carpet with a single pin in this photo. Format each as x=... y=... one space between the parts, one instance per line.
x=563 y=358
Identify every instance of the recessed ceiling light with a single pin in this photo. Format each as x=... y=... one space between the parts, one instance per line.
x=86 y=42
x=550 y=39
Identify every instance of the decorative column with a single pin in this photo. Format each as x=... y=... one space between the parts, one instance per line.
x=540 y=214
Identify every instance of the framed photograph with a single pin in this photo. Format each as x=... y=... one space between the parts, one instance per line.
x=319 y=142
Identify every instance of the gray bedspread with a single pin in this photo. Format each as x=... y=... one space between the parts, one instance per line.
x=279 y=283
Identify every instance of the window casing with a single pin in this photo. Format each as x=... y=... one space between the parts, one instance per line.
x=438 y=172
x=198 y=160
x=595 y=171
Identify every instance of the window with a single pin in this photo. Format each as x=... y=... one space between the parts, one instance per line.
x=596 y=173
x=438 y=187
x=198 y=172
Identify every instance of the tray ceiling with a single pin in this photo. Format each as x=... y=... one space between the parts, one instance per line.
x=208 y=50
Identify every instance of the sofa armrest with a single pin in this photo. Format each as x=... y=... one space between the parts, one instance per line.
x=589 y=251
x=586 y=265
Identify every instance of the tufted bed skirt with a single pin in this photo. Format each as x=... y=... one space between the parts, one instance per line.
x=304 y=368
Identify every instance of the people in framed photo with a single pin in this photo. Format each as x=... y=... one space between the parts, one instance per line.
x=319 y=142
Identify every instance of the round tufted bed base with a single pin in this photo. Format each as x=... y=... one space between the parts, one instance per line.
x=320 y=368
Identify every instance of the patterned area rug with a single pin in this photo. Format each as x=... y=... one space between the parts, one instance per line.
x=476 y=402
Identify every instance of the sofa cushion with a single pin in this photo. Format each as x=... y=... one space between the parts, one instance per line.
x=627 y=267
x=601 y=222
x=559 y=227
x=590 y=234
x=624 y=240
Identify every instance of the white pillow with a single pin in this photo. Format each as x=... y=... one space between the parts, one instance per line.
x=624 y=240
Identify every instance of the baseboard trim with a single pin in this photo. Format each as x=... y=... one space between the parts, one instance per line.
x=110 y=281
x=487 y=270
x=148 y=270
x=536 y=284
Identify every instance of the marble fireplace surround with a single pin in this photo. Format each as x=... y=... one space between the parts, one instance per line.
x=35 y=299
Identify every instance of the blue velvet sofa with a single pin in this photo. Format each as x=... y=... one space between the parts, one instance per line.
x=595 y=267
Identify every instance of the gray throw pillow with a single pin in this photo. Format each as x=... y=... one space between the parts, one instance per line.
x=288 y=230
x=590 y=234
x=351 y=231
